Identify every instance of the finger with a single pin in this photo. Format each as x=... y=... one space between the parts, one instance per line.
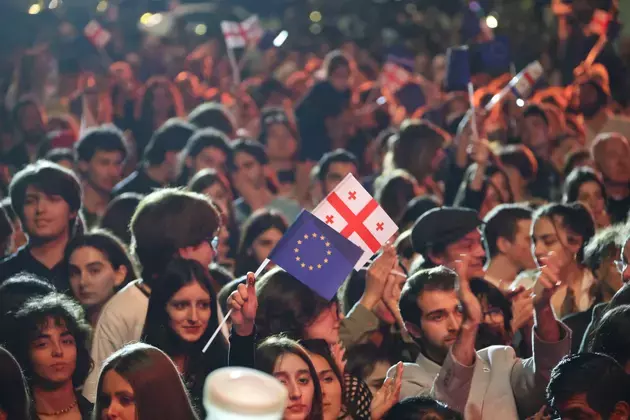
x=242 y=292
x=251 y=281
x=236 y=306
x=236 y=297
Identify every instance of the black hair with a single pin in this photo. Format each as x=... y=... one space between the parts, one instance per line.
x=118 y=215
x=394 y=191
x=520 y=157
x=286 y=305
x=6 y=232
x=108 y=138
x=59 y=154
x=227 y=290
x=610 y=337
x=575 y=180
x=573 y=159
x=321 y=348
x=493 y=297
x=212 y=115
x=206 y=178
x=16 y=290
x=33 y=316
x=362 y=358
x=336 y=156
x=421 y=408
x=352 y=289
x=598 y=376
x=172 y=136
x=334 y=60
x=574 y=217
x=502 y=222
x=256 y=224
x=15 y=402
x=202 y=139
x=535 y=110
x=436 y=278
x=250 y=147
x=271 y=116
x=416 y=208
x=603 y=245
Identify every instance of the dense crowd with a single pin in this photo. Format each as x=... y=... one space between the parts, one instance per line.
x=139 y=202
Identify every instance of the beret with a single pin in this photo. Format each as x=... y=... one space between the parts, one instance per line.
x=443 y=226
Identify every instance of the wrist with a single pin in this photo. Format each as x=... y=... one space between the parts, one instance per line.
x=245 y=329
x=369 y=301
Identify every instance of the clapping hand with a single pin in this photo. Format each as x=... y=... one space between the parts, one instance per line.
x=388 y=395
x=473 y=314
x=549 y=279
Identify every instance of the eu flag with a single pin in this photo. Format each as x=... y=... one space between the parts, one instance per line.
x=315 y=254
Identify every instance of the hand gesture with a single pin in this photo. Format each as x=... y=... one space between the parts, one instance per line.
x=243 y=303
x=376 y=277
x=388 y=395
x=391 y=294
x=479 y=151
x=522 y=308
x=549 y=279
x=471 y=306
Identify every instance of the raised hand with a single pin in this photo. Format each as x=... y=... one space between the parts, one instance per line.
x=549 y=279
x=376 y=277
x=388 y=395
x=471 y=306
x=244 y=304
x=338 y=352
x=522 y=308
x=391 y=294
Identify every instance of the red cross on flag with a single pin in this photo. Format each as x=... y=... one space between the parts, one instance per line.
x=599 y=22
x=353 y=212
x=394 y=77
x=96 y=34
x=523 y=83
x=238 y=35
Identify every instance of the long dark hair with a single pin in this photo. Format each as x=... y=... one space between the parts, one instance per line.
x=157 y=331
x=257 y=224
x=577 y=178
x=158 y=390
x=14 y=398
x=321 y=348
x=268 y=353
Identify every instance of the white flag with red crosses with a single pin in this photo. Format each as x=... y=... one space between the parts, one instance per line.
x=394 y=77
x=600 y=21
x=353 y=212
x=96 y=34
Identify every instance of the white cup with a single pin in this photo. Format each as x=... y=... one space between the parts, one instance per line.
x=236 y=393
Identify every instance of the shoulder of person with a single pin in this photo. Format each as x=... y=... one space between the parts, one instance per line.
x=496 y=355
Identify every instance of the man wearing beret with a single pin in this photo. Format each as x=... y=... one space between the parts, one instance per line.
x=443 y=319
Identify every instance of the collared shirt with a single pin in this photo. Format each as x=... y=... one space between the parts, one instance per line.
x=23 y=261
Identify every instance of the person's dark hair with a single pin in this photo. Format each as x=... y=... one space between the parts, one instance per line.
x=336 y=156
x=256 y=224
x=574 y=160
x=250 y=147
x=322 y=348
x=493 y=297
x=172 y=136
x=106 y=138
x=502 y=222
x=118 y=215
x=202 y=139
x=144 y=107
x=157 y=331
x=15 y=402
x=206 y=178
x=436 y=278
x=60 y=154
x=394 y=192
x=611 y=337
x=575 y=180
x=6 y=231
x=334 y=60
x=416 y=208
x=270 y=350
x=351 y=290
x=49 y=178
x=159 y=393
x=535 y=110
x=212 y=115
x=33 y=316
x=421 y=408
x=110 y=246
x=16 y=290
x=166 y=221
x=520 y=157
x=271 y=116
x=573 y=217
x=598 y=376
x=604 y=245
x=286 y=305
x=220 y=274
x=362 y=358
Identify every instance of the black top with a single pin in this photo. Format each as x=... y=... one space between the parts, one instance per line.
x=23 y=261
x=618 y=209
x=137 y=182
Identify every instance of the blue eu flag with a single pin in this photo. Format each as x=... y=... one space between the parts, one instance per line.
x=316 y=254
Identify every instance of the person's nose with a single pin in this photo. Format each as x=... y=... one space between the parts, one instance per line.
x=193 y=316
x=57 y=349
x=113 y=411
x=295 y=392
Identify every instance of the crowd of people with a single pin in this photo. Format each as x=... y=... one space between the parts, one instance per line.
x=139 y=202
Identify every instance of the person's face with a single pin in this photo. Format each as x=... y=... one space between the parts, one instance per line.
x=376 y=379
x=519 y=251
x=210 y=157
x=493 y=317
x=31 y=122
x=497 y=192
x=589 y=100
x=615 y=161
x=117 y=398
x=340 y=78
x=203 y=253
x=281 y=145
x=536 y=133
x=46 y=217
x=92 y=277
x=469 y=245
x=591 y=194
x=577 y=408
x=330 y=385
x=189 y=311
x=438 y=68
x=550 y=236
x=250 y=169
x=440 y=322
x=336 y=173
x=264 y=243
x=608 y=273
x=104 y=170
x=162 y=101
x=518 y=184
x=293 y=373
x=325 y=326
x=53 y=353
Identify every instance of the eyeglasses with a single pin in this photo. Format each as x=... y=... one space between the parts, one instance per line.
x=214 y=243
x=495 y=315
x=621 y=265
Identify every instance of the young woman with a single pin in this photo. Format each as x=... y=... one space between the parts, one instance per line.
x=585 y=186
x=288 y=362
x=394 y=190
x=484 y=191
x=140 y=382
x=281 y=146
x=182 y=317
x=495 y=328
x=99 y=266
x=261 y=232
x=48 y=337
x=15 y=403
x=560 y=232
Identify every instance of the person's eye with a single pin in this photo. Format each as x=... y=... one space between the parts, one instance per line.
x=94 y=271
x=39 y=344
x=329 y=379
x=436 y=317
x=179 y=305
x=126 y=400
x=68 y=341
x=204 y=305
x=305 y=380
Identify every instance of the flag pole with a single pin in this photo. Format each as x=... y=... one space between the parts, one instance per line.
x=473 y=120
x=236 y=74
x=227 y=316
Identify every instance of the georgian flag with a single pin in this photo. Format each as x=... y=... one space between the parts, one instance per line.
x=523 y=83
x=353 y=212
x=600 y=21
x=96 y=34
x=238 y=35
x=394 y=77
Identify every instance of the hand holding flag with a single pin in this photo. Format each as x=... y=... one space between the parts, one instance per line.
x=394 y=77
x=243 y=305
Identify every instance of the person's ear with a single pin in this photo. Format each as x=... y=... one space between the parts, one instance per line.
x=83 y=166
x=413 y=329
x=503 y=245
x=621 y=411
x=574 y=242
x=437 y=259
x=189 y=162
x=119 y=275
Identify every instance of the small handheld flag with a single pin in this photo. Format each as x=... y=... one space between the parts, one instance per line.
x=600 y=21
x=96 y=34
x=354 y=213
x=239 y=35
x=315 y=254
x=521 y=85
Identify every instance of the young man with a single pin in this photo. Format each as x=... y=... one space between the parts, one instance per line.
x=47 y=199
x=611 y=153
x=100 y=155
x=166 y=224
x=207 y=148
x=441 y=235
x=249 y=161
x=589 y=386
x=333 y=168
x=598 y=116
x=159 y=167
x=29 y=121
x=507 y=243
x=212 y=115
